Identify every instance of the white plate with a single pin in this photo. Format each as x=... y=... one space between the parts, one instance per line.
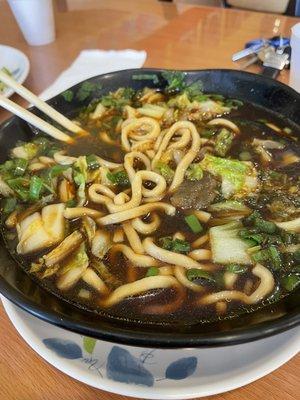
x=151 y=373
x=16 y=62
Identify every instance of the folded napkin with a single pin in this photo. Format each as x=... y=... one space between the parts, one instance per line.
x=90 y=63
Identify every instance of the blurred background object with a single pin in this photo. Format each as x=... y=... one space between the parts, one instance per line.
x=35 y=19
x=295 y=59
x=287 y=7
x=274 y=6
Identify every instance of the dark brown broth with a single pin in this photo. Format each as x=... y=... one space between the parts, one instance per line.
x=188 y=313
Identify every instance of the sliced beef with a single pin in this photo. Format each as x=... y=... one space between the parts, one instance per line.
x=196 y=194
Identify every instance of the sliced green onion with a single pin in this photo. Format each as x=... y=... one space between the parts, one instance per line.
x=118 y=178
x=36 y=185
x=146 y=77
x=20 y=186
x=176 y=245
x=265 y=226
x=20 y=166
x=152 y=271
x=9 y=205
x=290 y=282
x=57 y=170
x=71 y=203
x=236 y=269
x=193 y=223
x=92 y=162
x=275 y=257
x=195 y=273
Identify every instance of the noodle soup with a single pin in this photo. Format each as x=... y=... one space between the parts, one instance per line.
x=178 y=206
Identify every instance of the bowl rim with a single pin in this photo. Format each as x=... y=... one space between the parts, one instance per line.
x=149 y=339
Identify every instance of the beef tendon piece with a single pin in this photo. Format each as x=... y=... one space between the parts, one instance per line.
x=197 y=194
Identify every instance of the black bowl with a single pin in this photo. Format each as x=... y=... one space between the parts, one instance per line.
x=18 y=287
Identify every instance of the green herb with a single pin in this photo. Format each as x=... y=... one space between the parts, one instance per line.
x=71 y=203
x=9 y=205
x=118 y=178
x=20 y=166
x=270 y=255
x=275 y=257
x=290 y=282
x=249 y=234
x=19 y=186
x=92 y=162
x=265 y=226
x=146 y=77
x=86 y=90
x=193 y=223
x=195 y=273
x=208 y=132
x=297 y=255
x=176 y=245
x=118 y=99
x=233 y=103
x=68 y=95
x=223 y=142
x=152 y=271
x=164 y=170
x=194 y=172
x=57 y=170
x=36 y=185
x=175 y=81
x=236 y=269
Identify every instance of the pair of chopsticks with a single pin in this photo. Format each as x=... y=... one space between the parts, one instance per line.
x=41 y=105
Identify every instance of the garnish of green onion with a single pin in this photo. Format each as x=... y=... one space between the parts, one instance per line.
x=71 y=203
x=20 y=166
x=290 y=282
x=236 y=269
x=176 y=245
x=36 y=184
x=92 y=162
x=152 y=271
x=193 y=223
x=195 y=273
x=9 y=205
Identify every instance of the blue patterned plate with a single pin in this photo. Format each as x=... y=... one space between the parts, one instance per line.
x=153 y=373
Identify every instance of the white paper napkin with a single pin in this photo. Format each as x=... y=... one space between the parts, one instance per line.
x=94 y=62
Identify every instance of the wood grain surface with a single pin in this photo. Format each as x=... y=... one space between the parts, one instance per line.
x=174 y=36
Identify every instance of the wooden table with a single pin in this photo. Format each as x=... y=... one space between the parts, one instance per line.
x=174 y=36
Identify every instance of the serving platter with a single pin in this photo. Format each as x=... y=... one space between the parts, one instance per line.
x=152 y=373
x=18 y=287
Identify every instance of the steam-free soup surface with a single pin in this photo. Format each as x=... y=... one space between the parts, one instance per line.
x=178 y=206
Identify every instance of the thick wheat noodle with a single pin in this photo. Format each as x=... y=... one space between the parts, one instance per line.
x=200 y=241
x=146 y=227
x=77 y=212
x=142 y=145
x=182 y=141
x=200 y=254
x=139 y=287
x=166 y=270
x=153 y=199
x=92 y=279
x=224 y=122
x=116 y=218
x=168 y=256
x=137 y=190
x=229 y=279
x=108 y=164
x=187 y=158
x=129 y=160
x=133 y=238
x=170 y=307
x=100 y=194
x=139 y=260
x=136 y=123
x=121 y=198
x=265 y=287
x=180 y=274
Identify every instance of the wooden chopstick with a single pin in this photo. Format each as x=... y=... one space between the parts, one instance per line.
x=40 y=104
x=34 y=120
